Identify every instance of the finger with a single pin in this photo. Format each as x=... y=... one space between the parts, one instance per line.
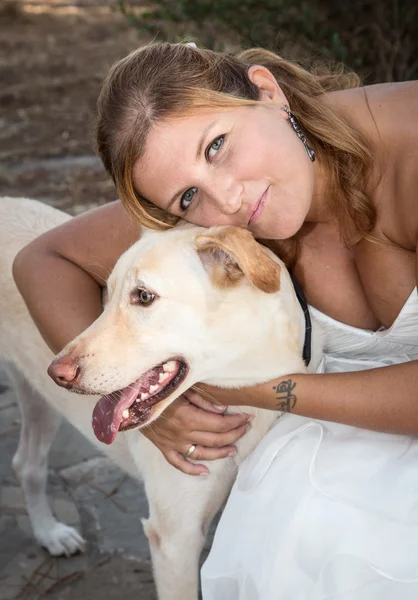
x=207 y=421
x=204 y=453
x=179 y=462
x=204 y=403
x=186 y=417
x=219 y=440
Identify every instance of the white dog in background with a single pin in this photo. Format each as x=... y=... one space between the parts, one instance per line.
x=184 y=306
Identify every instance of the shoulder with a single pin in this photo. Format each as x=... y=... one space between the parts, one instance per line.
x=386 y=96
x=381 y=97
x=383 y=112
x=387 y=114
x=393 y=99
x=395 y=109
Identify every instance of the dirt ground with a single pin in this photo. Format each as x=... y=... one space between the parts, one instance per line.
x=53 y=56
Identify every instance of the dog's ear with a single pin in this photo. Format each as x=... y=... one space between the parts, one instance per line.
x=232 y=253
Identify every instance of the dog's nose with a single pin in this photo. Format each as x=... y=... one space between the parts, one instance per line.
x=65 y=371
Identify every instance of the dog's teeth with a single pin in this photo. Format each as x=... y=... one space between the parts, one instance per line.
x=169 y=366
x=144 y=396
x=163 y=377
x=125 y=413
x=153 y=388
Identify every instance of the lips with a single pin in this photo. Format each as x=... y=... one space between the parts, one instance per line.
x=258 y=208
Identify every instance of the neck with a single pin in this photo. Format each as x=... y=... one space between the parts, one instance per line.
x=319 y=211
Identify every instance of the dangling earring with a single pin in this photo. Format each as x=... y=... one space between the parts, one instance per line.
x=293 y=121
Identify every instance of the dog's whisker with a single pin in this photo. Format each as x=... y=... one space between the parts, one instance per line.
x=162 y=416
x=102 y=266
x=96 y=274
x=205 y=394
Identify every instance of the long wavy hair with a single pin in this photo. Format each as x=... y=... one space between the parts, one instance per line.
x=161 y=80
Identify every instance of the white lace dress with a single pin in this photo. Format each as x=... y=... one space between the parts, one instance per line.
x=321 y=510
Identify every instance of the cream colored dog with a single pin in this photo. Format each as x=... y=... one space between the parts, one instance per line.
x=185 y=306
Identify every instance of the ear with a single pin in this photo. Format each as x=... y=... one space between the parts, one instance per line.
x=232 y=253
x=270 y=90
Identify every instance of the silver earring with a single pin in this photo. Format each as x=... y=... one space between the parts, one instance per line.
x=293 y=121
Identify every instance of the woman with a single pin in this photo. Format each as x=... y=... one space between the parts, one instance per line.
x=328 y=170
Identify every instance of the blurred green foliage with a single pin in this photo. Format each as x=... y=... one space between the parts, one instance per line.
x=376 y=38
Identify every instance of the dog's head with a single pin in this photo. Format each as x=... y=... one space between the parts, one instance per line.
x=183 y=306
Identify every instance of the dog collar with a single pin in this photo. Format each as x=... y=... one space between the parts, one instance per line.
x=308 y=324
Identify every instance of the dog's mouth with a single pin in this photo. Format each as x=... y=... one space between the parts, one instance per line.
x=130 y=407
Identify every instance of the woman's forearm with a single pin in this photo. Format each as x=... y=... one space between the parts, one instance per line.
x=62 y=299
x=382 y=399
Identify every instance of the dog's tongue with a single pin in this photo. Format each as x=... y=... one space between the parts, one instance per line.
x=107 y=414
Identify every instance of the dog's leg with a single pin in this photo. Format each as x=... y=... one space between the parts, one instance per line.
x=175 y=550
x=181 y=510
x=39 y=426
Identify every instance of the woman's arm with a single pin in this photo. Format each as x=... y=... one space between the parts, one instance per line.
x=382 y=399
x=60 y=274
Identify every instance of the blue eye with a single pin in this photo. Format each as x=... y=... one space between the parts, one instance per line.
x=215 y=146
x=187 y=198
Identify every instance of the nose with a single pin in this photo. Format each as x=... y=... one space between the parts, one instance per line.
x=65 y=371
x=227 y=196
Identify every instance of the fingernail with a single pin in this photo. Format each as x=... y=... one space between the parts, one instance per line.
x=248 y=427
x=233 y=453
x=219 y=407
x=205 y=475
x=250 y=418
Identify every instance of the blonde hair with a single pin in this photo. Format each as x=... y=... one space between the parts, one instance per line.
x=161 y=80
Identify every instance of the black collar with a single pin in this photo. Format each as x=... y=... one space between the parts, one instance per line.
x=308 y=325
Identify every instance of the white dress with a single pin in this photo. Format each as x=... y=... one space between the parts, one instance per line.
x=321 y=510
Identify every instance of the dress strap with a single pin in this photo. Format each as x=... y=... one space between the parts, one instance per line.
x=308 y=324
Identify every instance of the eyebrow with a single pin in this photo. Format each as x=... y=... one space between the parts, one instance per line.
x=198 y=154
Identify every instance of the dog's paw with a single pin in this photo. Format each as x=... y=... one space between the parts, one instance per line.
x=60 y=540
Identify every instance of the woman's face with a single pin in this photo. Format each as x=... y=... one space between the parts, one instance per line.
x=243 y=166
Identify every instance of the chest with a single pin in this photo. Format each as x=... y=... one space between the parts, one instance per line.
x=365 y=287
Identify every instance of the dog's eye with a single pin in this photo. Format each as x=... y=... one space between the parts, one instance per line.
x=143 y=297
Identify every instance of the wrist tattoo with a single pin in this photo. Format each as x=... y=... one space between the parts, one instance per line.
x=286 y=401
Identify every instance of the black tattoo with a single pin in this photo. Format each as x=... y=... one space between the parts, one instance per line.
x=286 y=400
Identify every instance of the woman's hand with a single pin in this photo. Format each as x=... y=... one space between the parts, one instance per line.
x=193 y=420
